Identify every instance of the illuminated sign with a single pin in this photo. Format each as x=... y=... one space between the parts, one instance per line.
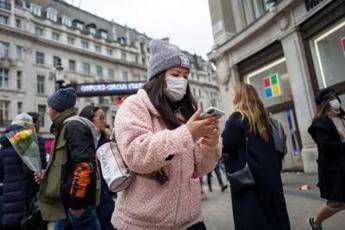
x=107 y=89
x=272 y=86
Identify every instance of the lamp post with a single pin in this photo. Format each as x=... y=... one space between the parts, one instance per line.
x=59 y=79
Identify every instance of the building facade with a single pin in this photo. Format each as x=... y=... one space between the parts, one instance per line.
x=39 y=36
x=288 y=50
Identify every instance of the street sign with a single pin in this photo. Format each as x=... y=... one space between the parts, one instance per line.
x=107 y=89
x=272 y=86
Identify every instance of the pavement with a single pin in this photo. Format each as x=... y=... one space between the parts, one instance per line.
x=301 y=204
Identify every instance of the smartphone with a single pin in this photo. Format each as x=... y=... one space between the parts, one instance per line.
x=212 y=111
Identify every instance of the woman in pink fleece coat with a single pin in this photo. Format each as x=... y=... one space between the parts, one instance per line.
x=163 y=140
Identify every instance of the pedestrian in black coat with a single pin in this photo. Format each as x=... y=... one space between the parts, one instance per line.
x=19 y=187
x=328 y=131
x=261 y=206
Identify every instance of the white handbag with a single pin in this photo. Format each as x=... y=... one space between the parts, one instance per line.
x=114 y=170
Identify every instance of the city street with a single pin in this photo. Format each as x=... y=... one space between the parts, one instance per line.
x=301 y=204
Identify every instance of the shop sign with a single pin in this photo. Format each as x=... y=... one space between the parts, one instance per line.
x=272 y=86
x=343 y=44
x=107 y=89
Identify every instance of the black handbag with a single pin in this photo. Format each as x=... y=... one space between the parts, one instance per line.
x=242 y=179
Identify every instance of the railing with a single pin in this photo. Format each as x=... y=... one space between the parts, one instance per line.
x=5 y=5
x=310 y=4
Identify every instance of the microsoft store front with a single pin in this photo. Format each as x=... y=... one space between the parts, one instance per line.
x=267 y=72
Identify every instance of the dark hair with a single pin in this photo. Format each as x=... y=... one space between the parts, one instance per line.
x=34 y=116
x=89 y=111
x=155 y=90
x=323 y=107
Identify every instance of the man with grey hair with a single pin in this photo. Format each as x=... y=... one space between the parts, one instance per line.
x=19 y=187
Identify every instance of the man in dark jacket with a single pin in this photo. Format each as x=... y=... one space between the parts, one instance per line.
x=19 y=186
x=68 y=192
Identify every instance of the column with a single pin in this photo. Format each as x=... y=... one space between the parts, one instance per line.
x=302 y=94
x=12 y=19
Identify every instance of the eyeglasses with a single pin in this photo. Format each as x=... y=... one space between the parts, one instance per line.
x=100 y=118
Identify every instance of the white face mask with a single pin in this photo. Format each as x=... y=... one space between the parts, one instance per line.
x=335 y=104
x=176 y=88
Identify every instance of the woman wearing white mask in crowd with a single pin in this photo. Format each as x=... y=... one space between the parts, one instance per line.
x=328 y=131
x=163 y=140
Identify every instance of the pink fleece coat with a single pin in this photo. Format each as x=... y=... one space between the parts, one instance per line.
x=145 y=143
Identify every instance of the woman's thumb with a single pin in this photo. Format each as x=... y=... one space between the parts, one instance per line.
x=196 y=115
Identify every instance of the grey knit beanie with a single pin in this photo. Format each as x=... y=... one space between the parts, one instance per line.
x=165 y=56
x=62 y=99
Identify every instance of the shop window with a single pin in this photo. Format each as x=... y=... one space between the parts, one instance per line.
x=272 y=83
x=328 y=52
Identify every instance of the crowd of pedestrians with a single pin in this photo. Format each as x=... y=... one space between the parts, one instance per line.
x=164 y=140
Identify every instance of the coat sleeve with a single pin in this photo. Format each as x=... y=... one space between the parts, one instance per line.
x=206 y=158
x=144 y=150
x=81 y=147
x=325 y=141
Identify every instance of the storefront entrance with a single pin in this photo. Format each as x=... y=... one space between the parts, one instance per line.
x=267 y=72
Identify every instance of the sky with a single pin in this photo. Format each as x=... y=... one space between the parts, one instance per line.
x=186 y=22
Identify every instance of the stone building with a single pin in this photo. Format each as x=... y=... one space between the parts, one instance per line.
x=39 y=36
x=288 y=50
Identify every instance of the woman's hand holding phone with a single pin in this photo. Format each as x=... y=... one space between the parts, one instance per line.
x=206 y=128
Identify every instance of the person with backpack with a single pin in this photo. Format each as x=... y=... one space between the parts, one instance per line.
x=328 y=132
x=163 y=140
x=279 y=139
x=106 y=206
x=68 y=188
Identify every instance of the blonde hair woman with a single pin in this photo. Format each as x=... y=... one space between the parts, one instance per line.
x=247 y=139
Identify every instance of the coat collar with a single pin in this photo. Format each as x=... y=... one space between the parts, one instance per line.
x=58 y=121
x=145 y=98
